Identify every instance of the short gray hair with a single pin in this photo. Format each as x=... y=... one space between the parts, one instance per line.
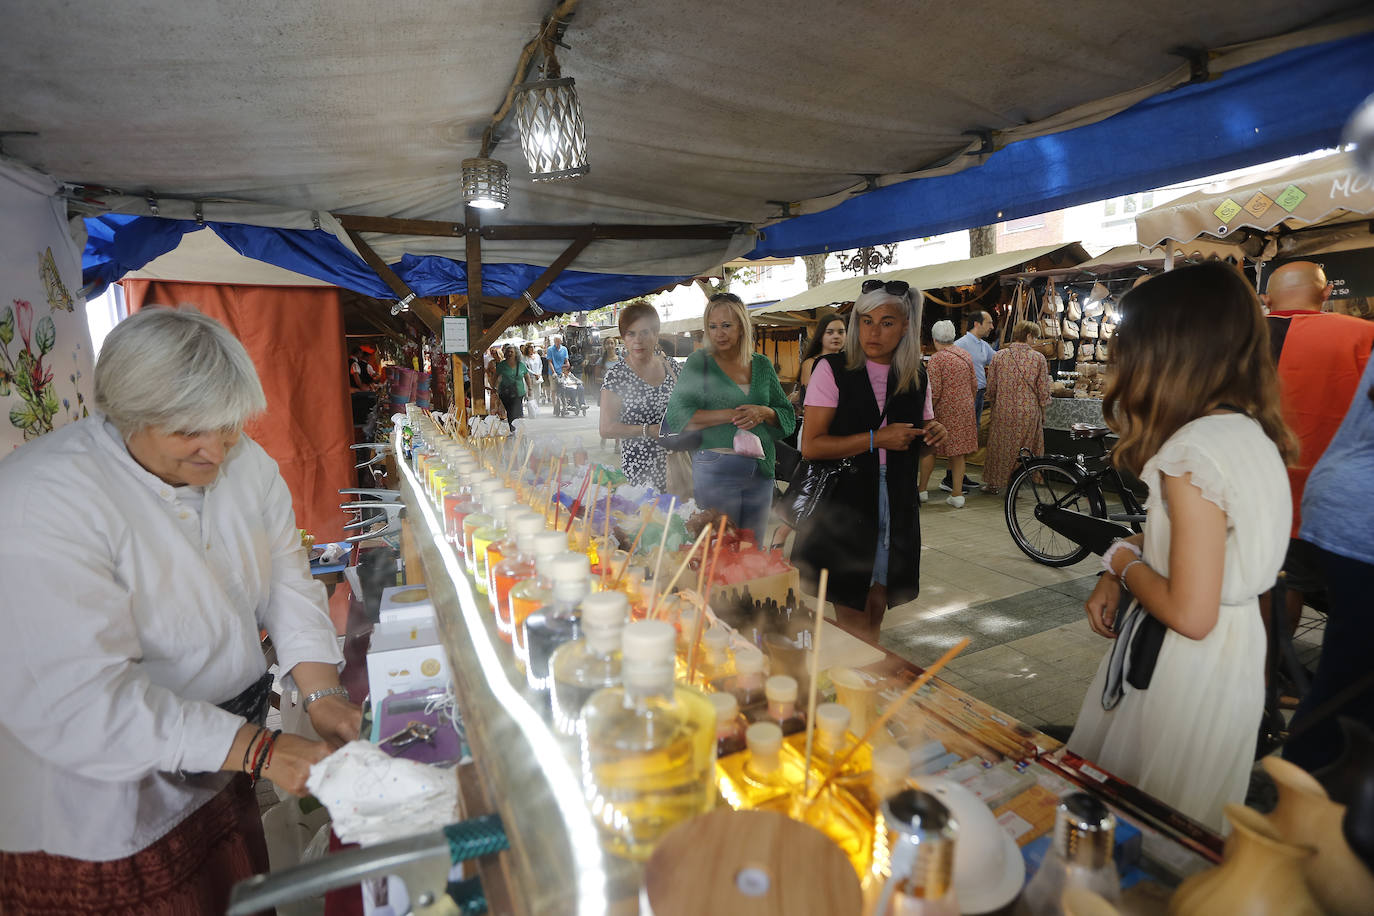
x=176 y=368
x=943 y=331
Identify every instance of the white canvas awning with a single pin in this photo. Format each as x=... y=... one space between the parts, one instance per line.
x=934 y=276
x=1317 y=192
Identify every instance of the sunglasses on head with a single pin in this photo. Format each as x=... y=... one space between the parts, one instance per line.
x=894 y=287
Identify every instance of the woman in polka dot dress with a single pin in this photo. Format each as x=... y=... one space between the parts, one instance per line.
x=634 y=395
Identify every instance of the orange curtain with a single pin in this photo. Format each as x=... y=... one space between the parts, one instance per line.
x=296 y=338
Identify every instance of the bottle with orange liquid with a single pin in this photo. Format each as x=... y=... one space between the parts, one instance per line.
x=519 y=521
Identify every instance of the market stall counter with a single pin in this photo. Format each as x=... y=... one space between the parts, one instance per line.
x=525 y=772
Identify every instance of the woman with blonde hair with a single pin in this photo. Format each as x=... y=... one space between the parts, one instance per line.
x=953 y=393
x=870 y=405
x=1019 y=389
x=726 y=390
x=1176 y=704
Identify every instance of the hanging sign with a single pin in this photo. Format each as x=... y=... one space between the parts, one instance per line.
x=455 y=335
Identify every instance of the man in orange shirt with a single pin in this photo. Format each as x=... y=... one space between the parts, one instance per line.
x=1320 y=357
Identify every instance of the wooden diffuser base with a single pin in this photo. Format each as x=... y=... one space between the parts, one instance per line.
x=750 y=863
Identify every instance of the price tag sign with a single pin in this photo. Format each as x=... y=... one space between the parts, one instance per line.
x=455 y=335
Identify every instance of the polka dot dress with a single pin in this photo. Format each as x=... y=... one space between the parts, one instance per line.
x=644 y=462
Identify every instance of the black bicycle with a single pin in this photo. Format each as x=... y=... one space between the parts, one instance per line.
x=1057 y=505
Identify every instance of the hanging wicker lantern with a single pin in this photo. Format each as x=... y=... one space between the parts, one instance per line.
x=551 y=132
x=486 y=183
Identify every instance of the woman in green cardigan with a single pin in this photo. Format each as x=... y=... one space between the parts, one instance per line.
x=723 y=389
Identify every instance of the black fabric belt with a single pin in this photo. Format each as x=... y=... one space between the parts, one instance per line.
x=253 y=702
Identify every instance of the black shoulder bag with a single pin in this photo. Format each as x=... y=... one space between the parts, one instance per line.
x=812 y=483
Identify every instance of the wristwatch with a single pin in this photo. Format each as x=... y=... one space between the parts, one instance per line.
x=319 y=694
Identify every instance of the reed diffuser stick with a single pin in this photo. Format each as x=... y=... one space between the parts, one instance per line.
x=815 y=679
x=620 y=573
x=658 y=563
x=692 y=654
x=556 y=488
x=577 y=503
x=892 y=709
x=705 y=533
x=605 y=562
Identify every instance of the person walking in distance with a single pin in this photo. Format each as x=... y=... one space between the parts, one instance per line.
x=975 y=344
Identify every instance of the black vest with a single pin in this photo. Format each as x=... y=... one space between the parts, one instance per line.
x=843 y=535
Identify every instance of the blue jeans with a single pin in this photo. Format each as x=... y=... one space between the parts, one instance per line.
x=884 y=531
x=733 y=485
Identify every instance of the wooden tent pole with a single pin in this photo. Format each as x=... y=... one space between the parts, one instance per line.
x=472 y=218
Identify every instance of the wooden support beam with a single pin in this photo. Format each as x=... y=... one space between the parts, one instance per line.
x=541 y=283
x=473 y=256
x=424 y=309
x=427 y=227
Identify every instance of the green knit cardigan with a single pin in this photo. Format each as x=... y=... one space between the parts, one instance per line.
x=703 y=385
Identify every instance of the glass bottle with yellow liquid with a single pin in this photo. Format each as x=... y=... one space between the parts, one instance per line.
x=500 y=505
x=836 y=813
x=648 y=747
x=832 y=742
x=534 y=592
x=519 y=520
x=559 y=621
x=759 y=777
x=476 y=519
x=583 y=666
x=913 y=863
x=891 y=768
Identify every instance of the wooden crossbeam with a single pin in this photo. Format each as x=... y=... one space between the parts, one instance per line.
x=390 y=226
x=426 y=310
x=541 y=283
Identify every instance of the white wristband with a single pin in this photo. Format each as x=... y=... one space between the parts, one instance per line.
x=1110 y=555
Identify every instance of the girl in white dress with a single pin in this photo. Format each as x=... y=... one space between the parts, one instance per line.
x=1194 y=399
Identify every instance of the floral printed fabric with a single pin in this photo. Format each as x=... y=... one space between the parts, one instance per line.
x=45 y=349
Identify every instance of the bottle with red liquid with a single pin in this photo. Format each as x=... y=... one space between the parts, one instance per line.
x=515 y=566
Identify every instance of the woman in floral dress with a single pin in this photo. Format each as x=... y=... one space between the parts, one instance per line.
x=953 y=390
x=634 y=395
x=1019 y=388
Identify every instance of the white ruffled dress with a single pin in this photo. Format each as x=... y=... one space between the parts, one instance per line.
x=1189 y=740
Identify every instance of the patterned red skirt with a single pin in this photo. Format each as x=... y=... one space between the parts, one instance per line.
x=188 y=872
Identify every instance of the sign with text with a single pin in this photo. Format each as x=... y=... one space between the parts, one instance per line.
x=455 y=335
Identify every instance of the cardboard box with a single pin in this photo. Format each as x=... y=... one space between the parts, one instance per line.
x=408 y=603
x=404 y=658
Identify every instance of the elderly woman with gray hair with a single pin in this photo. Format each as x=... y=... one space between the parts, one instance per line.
x=953 y=393
x=869 y=404
x=143 y=549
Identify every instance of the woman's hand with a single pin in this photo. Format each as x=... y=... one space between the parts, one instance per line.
x=1102 y=604
x=292 y=757
x=747 y=416
x=895 y=437
x=935 y=433
x=335 y=720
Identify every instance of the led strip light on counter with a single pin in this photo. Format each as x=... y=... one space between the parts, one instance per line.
x=581 y=832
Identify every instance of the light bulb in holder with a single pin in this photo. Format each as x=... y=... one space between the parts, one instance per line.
x=486 y=183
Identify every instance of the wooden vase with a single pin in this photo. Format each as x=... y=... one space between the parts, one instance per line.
x=1260 y=875
x=1305 y=816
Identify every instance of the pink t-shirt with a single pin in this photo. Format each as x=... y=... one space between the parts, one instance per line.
x=822 y=391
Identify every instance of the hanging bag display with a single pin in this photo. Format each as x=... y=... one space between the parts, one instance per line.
x=1072 y=312
x=1067 y=350
x=1088 y=329
x=1070 y=329
x=1102 y=350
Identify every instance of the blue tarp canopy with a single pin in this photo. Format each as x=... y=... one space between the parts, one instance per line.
x=1293 y=103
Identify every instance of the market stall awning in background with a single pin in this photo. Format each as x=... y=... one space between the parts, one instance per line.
x=1320 y=192
x=933 y=276
x=271 y=123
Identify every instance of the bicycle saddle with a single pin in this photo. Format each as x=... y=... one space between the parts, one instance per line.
x=1088 y=431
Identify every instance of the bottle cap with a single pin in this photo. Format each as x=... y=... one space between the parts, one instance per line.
x=715 y=640
x=569 y=567
x=749 y=661
x=780 y=689
x=1084 y=830
x=727 y=707
x=648 y=641
x=547 y=545
x=604 y=609
x=498 y=498
x=833 y=719
x=524 y=523
x=490 y=485
x=763 y=738
x=891 y=763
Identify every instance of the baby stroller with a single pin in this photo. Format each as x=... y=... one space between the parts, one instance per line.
x=572 y=398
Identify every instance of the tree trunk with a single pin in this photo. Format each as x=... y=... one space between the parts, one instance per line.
x=982 y=240
x=815 y=269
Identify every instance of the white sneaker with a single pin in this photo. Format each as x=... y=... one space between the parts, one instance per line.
x=924 y=497
x=956 y=501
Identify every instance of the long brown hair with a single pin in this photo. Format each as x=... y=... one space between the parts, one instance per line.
x=1190 y=341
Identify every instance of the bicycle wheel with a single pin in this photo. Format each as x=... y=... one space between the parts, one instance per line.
x=1048 y=483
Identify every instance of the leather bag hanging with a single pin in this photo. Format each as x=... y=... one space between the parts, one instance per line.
x=1088 y=329
x=1072 y=312
x=1067 y=350
x=1102 y=350
x=1070 y=329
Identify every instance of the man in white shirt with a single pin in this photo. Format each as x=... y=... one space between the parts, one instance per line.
x=143 y=549
x=974 y=342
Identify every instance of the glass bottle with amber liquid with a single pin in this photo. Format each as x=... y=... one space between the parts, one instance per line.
x=648 y=747
x=499 y=505
x=585 y=665
x=516 y=568
x=831 y=743
x=759 y=776
x=559 y=621
x=479 y=519
x=519 y=520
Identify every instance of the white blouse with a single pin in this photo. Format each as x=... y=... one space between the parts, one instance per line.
x=128 y=612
